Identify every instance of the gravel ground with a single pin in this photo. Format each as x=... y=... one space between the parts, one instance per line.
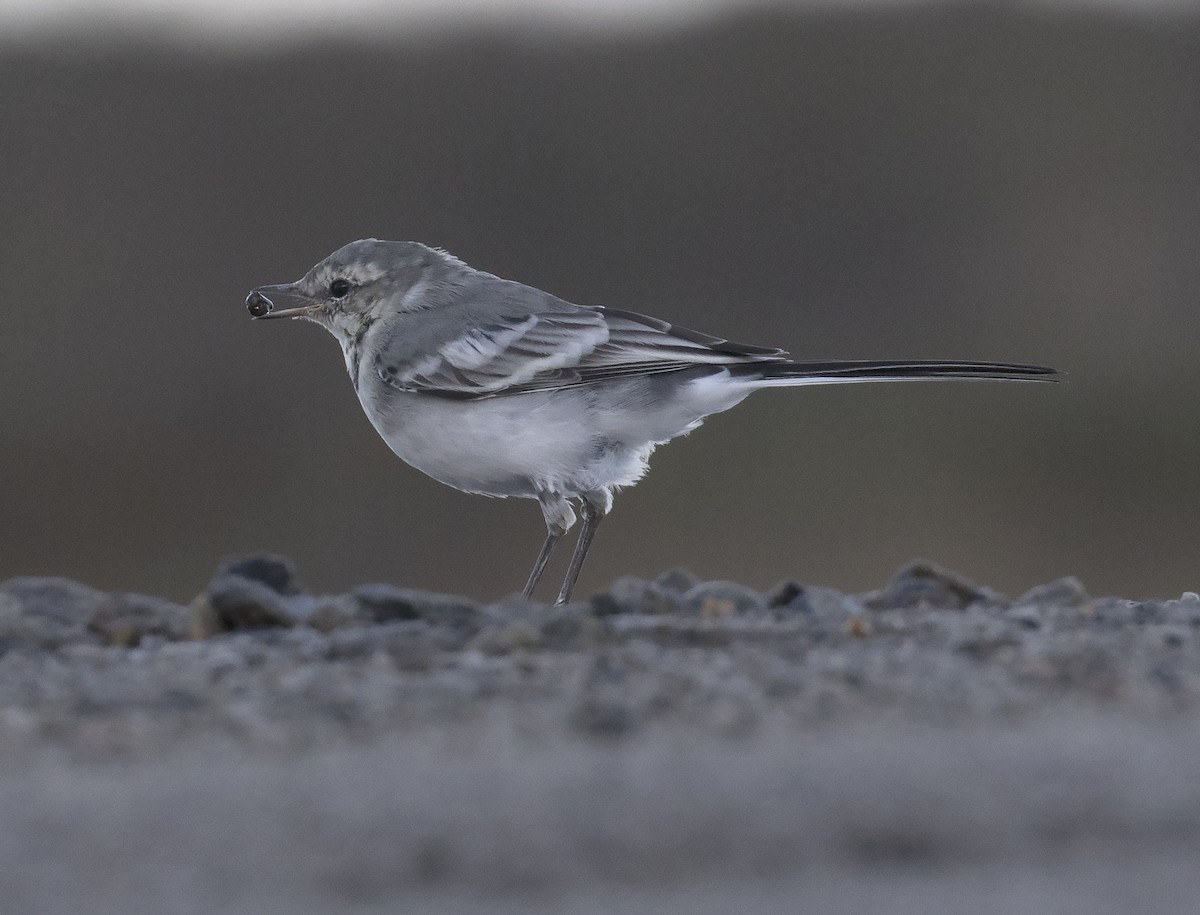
x=669 y=745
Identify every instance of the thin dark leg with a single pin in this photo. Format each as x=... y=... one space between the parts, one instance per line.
x=591 y=521
x=540 y=566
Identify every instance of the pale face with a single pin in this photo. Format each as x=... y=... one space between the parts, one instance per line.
x=347 y=290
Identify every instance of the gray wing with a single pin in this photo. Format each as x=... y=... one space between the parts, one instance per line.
x=558 y=348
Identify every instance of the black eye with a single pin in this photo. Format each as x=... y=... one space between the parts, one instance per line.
x=339 y=288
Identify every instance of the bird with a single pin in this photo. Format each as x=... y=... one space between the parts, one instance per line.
x=497 y=388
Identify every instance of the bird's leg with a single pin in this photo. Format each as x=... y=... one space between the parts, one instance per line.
x=552 y=537
x=591 y=520
x=559 y=517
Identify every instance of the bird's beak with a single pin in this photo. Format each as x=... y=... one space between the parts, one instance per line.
x=262 y=302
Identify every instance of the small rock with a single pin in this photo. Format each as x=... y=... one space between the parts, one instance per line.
x=335 y=612
x=678 y=580
x=570 y=629
x=1067 y=593
x=276 y=572
x=987 y=640
x=1026 y=616
x=382 y=603
x=412 y=648
x=352 y=643
x=785 y=594
x=925 y=583
x=1183 y=611
x=202 y=620
x=134 y=617
x=857 y=626
x=49 y=612
x=233 y=603
x=604 y=603
x=515 y=622
x=518 y=635
x=1148 y=611
x=826 y=609
x=515 y=606
x=720 y=599
x=630 y=594
x=1118 y=613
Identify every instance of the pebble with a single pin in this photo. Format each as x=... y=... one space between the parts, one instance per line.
x=925 y=583
x=268 y=662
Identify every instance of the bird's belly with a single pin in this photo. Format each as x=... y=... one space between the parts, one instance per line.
x=572 y=442
x=503 y=446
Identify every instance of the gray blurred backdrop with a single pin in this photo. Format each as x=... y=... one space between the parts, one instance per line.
x=968 y=181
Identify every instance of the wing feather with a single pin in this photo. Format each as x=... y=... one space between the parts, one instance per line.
x=515 y=354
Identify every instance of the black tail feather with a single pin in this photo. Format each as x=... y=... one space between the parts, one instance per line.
x=841 y=370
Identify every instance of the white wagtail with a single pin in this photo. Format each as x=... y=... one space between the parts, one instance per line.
x=497 y=388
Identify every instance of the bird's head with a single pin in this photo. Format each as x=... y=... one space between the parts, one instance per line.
x=349 y=289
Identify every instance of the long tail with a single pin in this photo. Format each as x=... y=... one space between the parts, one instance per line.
x=840 y=371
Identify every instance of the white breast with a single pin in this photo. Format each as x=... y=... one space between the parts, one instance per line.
x=572 y=441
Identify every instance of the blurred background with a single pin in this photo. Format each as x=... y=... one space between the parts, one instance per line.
x=1017 y=182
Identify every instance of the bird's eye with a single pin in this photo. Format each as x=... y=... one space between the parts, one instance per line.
x=339 y=288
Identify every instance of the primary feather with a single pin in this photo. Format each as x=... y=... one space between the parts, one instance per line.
x=576 y=345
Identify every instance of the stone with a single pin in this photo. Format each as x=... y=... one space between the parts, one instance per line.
x=234 y=603
x=337 y=611
x=1067 y=593
x=925 y=583
x=857 y=626
x=276 y=572
x=506 y=638
x=720 y=599
x=786 y=594
x=677 y=580
x=382 y=603
x=516 y=623
x=412 y=647
x=1027 y=616
x=568 y=628
x=827 y=608
x=630 y=594
x=49 y=612
x=130 y=618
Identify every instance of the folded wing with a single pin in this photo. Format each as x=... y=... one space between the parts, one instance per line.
x=515 y=354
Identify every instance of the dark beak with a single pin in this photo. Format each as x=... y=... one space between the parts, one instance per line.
x=263 y=302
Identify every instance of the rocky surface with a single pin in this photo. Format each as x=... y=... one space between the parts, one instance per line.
x=674 y=743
